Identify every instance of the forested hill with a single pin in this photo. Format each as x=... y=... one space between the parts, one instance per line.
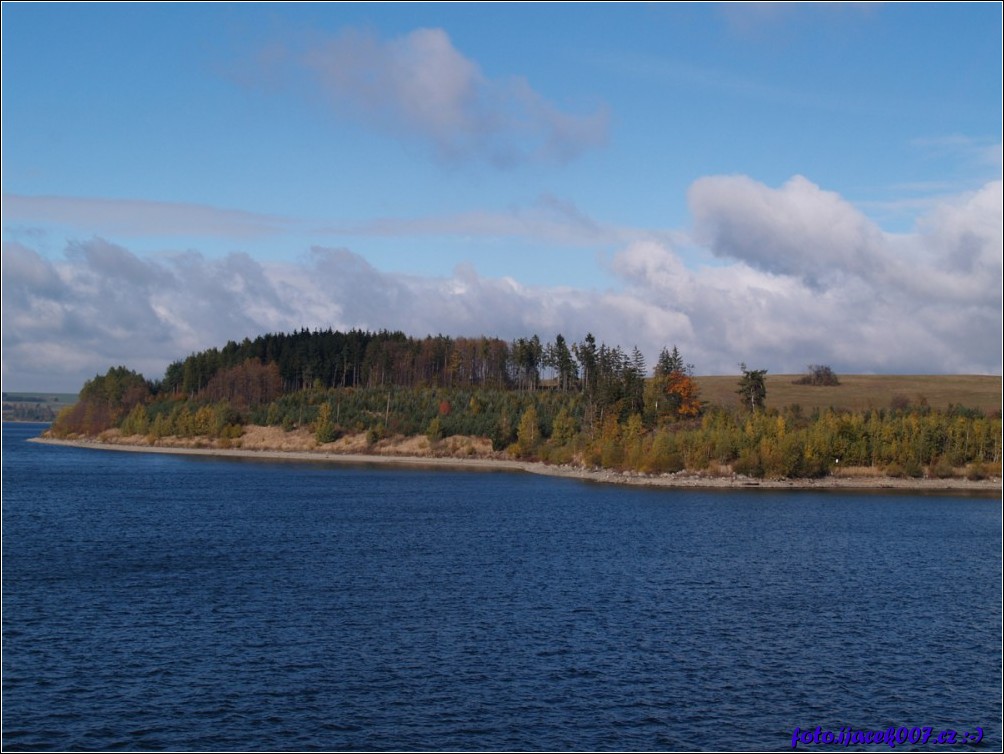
x=329 y=358
x=584 y=403
x=284 y=378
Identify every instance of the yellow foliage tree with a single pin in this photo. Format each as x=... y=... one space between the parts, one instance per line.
x=528 y=432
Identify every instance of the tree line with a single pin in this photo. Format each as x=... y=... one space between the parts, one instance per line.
x=358 y=358
x=257 y=371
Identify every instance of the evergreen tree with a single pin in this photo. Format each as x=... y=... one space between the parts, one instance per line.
x=585 y=352
x=669 y=362
x=563 y=363
x=753 y=388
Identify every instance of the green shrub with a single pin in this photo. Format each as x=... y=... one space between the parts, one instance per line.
x=943 y=469
x=748 y=463
x=976 y=472
x=375 y=434
x=909 y=469
x=435 y=430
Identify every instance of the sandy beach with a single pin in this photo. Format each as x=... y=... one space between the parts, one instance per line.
x=848 y=479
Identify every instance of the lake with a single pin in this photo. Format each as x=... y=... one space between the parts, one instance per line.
x=171 y=602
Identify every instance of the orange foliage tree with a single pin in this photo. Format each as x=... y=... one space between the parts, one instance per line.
x=683 y=394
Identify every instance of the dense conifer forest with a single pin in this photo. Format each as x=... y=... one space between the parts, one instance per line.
x=584 y=403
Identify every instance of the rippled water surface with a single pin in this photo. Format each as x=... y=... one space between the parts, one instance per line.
x=158 y=602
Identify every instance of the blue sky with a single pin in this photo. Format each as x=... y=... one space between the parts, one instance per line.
x=776 y=184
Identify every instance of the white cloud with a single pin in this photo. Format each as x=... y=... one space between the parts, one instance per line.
x=928 y=301
x=963 y=237
x=798 y=229
x=134 y=217
x=968 y=149
x=548 y=219
x=861 y=301
x=420 y=85
x=764 y=20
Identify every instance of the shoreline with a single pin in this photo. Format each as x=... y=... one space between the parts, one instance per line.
x=679 y=480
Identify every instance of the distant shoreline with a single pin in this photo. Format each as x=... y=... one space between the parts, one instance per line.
x=681 y=480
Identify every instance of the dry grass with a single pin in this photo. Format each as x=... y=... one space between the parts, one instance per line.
x=858 y=472
x=419 y=445
x=396 y=445
x=258 y=438
x=862 y=392
x=465 y=446
x=275 y=438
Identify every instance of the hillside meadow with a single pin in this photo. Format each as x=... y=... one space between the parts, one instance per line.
x=864 y=392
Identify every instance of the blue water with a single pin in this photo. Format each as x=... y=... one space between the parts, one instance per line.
x=168 y=602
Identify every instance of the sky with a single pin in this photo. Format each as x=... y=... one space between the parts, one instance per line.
x=763 y=183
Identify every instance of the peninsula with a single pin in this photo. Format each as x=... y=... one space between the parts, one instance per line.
x=572 y=409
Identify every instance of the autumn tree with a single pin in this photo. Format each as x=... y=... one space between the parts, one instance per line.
x=104 y=401
x=244 y=385
x=683 y=395
x=673 y=393
x=563 y=428
x=324 y=429
x=528 y=432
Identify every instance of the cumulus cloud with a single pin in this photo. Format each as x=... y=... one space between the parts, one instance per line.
x=798 y=229
x=420 y=85
x=821 y=272
x=101 y=305
x=963 y=238
x=807 y=279
x=818 y=237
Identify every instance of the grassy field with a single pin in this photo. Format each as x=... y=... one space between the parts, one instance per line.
x=862 y=392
